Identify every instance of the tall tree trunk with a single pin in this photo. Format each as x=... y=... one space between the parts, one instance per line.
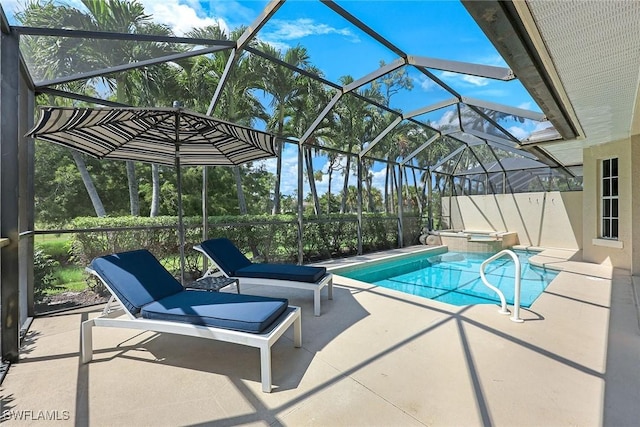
x=98 y=207
x=345 y=186
x=386 y=190
x=392 y=182
x=369 y=185
x=134 y=198
x=407 y=193
x=155 y=190
x=88 y=184
x=330 y=171
x=276 y=192
x=312 y=180
x=134 y=201
x=279 y=146
x=419 y=200
x=242 y=201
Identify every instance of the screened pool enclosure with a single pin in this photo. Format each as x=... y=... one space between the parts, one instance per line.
x=368 y=151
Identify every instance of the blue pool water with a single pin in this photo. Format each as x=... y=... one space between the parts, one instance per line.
x=454 y=277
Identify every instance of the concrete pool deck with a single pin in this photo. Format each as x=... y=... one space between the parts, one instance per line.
x=374 y=357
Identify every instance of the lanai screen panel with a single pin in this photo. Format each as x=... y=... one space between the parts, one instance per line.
x=444 y=119
x=327 y=41
x=510 y=124
x=400 y=142
x=350 y=124
x=56 y=58
x=438 y=153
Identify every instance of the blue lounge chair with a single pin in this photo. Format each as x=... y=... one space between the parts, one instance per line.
x=227 y=258
x=151 y=299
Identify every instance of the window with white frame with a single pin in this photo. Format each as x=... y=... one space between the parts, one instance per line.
x=609 y=199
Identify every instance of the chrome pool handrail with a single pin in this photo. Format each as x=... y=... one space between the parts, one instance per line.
x=516 y=292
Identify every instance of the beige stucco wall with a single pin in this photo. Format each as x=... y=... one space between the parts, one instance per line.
x=549 y=219
x=635 y=203
x=595 y=250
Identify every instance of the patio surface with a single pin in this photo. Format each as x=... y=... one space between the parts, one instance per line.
x=374 y=357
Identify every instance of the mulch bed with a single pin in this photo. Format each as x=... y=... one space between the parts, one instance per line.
x=69 y=300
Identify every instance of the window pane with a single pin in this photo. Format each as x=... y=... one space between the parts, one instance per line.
x=606 y=208
x=614 y=186
x=605 y=228
x=614 y=167
x=606 y=187
x=614 y=228
x=614 y=208
x=606 y=168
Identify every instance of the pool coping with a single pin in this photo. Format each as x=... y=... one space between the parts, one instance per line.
x=337 y=269
x=569 y=260
x=559 y=259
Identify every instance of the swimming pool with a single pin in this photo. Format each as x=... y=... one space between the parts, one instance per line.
x=454 y=277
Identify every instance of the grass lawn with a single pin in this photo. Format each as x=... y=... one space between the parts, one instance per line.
x=70 y=278
x=57 y=246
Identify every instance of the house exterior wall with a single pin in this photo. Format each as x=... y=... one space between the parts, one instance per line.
x=617 y=253
x=547 y=219
x=635 y=203
x=566 y=219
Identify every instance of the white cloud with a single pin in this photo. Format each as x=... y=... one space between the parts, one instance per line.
x=519 y=132
x=181 y=17
x=303 y=27
x=468 y=81
x=475 y=80
x=448 y=118
x=526 y=105
x=425 y=83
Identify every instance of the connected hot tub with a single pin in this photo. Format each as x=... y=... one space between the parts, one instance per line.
x=476 y=241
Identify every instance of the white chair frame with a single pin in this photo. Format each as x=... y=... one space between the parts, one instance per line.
x=120 y=317
x=316 y=287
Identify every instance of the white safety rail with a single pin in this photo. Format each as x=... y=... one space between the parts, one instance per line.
x=516 y=293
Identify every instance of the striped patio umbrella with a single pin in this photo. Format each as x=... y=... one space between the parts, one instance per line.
x=166 y=136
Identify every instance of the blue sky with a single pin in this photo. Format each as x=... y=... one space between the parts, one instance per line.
x=436 y=29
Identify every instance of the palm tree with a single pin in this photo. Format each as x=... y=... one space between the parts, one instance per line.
x=284 y=85
x=396 y=143
x=237 y=103
x=333 y=164
x=117 y=16
x=50 y=59
x=154 y=86
x=356 y=123
x=123 y=16
x=303 y=111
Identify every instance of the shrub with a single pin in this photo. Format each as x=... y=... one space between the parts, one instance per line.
x=58 y=250
x=43 y=275
x=265 y=238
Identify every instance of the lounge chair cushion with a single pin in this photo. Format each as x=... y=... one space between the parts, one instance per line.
x=296 y=273
x=235 y=264
x=136 y=277
x=247 y=313
x=225 y=254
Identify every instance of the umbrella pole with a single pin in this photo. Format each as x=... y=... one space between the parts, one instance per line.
x=205 y=215
x=180 y=219
x=179 y=184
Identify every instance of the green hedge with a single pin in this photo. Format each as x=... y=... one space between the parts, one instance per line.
x=266 y=238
